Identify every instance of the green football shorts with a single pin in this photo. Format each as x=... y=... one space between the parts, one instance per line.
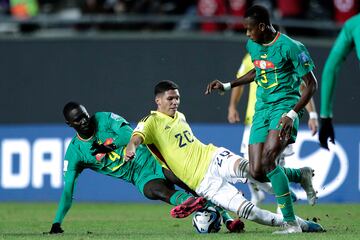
x=148 y=169
x=268 y=119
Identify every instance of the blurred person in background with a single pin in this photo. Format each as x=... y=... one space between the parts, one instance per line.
x=221 y=8
x=136 y=7
x=56 y=6
x=237 y=8
x=4 y=7
x=345 y=9
x=347 y=40
x=23 y=10
x=212 y=8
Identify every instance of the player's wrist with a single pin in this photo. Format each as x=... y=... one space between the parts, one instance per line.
x=227 y=86
x=232 y=107
x=292 y=114
x=313 y=115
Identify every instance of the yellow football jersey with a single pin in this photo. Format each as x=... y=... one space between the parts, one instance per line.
x=246 y=66
x=173 y=143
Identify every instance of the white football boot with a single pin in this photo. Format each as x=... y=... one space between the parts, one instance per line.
x=289 y=228
x=306 y=183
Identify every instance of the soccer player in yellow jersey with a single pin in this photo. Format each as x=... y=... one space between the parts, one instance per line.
x=257 y=195
x=206 y=169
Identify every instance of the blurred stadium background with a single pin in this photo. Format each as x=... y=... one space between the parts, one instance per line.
x=108 y=54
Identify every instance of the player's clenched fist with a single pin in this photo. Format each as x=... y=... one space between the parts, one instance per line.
x=129 y=154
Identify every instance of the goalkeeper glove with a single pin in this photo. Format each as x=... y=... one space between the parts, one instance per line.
x=326 y=132
x=101 y=148
x=56 y=228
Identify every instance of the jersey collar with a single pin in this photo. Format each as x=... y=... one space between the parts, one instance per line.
x=164 y=115
x=83 y=139
x=273 y=41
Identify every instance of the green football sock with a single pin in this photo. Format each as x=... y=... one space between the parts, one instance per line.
x=280 y=184
x=293 y=174
x=179 y=197
x=224 y=214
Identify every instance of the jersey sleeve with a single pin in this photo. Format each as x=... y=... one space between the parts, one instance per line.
x=341 y=48
x=300 y=58
x=72 y=159
x=122 y=128
x=71 y=171
x=145 y=129
x=66 y=196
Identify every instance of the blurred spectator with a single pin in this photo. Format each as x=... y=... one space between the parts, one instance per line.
x=294 y=9
x=96 y=7
x=344 y=9
x=50 y=6
x=237 y=8
x=212 y=8
x=4 y=7
x=23 y=9
x=336 y=10
x=159 y=8
x=135 y=7
x=218 y=8
x=319 y=10
x=305 y=10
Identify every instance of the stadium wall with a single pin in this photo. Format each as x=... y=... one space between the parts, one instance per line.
x=31 y=158
x=117 y=73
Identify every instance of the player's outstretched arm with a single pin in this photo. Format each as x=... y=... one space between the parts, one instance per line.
x=65 y=201
x=218 y=85
x=343 y=45
x=135 y=141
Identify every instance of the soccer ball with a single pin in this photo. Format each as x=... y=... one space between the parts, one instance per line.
x=207 y=220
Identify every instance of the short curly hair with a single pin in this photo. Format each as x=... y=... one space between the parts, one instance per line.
x=259 y=13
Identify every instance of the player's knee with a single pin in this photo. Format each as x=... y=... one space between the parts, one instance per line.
x=157 y=191
x=157 y=194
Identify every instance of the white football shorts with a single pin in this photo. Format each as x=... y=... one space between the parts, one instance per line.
x=216 y=185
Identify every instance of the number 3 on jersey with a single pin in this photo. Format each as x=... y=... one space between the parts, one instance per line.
x=184 y=138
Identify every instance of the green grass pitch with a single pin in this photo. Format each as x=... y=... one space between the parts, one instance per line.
x=152 y=221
